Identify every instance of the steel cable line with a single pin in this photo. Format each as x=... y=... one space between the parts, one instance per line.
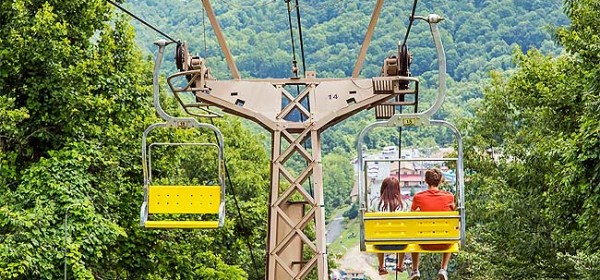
x=143 y=22
x=295 y=68
x=310 y=185
x=237 y=206
x=301 y=40
x=299 y=24
x=204 y=34
x=294 y=61
x=412 y=19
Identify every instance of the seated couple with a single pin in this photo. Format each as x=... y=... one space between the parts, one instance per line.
x=433 y=199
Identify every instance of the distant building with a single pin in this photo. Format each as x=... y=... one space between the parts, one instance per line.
x=350 y=274
x=410 y=174
x=391 y=152
x=442 y=152
x=337 y=274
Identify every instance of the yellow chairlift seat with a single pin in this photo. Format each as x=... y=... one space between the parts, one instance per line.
x=183 y=200
x=409 y=232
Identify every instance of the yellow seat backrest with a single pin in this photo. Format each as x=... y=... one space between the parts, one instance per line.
x=184 y=199
x=407 y=231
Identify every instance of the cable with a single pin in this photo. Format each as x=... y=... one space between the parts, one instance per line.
x=143 y=21
x=397 y=260
x=412 y=19
x=204 y=31
x=294 y=61
x=301 y=40
x=303 y=66
x=237 y=206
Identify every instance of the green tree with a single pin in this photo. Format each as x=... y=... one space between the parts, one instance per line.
x=531 y=209
x=338 y=180
x=75 y=98
x=352 y=212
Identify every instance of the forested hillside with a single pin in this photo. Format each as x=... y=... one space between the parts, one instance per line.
x=479 y=36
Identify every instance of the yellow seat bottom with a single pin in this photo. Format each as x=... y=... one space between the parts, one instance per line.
x=184 y=199
x=182 y=224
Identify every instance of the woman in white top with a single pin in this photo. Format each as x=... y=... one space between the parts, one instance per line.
x=390 y=200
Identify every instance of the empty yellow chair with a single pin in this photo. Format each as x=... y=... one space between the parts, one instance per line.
x=190 y=206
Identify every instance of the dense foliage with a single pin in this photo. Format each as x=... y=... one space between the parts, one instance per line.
x=534 y=210
x=338 y=180
x=74 y=99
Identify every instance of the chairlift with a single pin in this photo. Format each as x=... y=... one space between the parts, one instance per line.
x=195 y=200
x=198 y=201
x=406 y=232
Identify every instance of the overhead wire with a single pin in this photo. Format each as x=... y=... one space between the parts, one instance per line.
x=237 y=207
x=301 y=39
x=143 y=22
x=410 y=24
x=412 y=19
x=294 y=62
x=204 y=32
x=299 y=22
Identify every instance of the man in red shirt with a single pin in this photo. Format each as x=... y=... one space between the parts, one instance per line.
x=433 y=199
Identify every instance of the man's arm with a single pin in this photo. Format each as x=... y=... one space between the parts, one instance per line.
x=415 y=203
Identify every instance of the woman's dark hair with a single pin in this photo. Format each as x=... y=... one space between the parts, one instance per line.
x=391 y=199
x=433 y=177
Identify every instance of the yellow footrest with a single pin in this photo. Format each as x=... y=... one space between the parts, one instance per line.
x=181 y=224
x=408 y=248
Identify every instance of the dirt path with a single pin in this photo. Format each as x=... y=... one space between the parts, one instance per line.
x=356 y=260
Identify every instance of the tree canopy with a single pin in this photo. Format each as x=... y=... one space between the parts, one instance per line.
x=75 y=96
x=534 y=209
